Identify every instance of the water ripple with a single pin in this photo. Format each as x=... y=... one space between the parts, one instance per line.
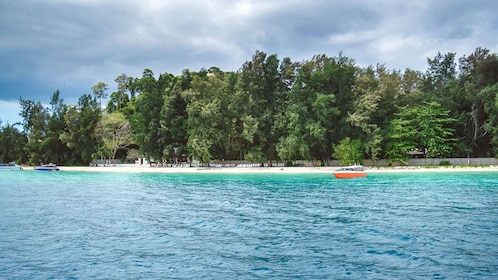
x=153 y=226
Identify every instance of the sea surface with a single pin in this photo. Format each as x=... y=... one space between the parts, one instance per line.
x=72 y=225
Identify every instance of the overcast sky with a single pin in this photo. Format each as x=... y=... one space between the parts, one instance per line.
x=73 y=44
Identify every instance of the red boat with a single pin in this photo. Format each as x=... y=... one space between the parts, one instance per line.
x=353 y=171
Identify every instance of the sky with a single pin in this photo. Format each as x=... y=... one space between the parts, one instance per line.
x=72 y=45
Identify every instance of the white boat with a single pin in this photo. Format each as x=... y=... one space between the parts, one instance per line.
x=353 y=171
x=47 y=167
x=10 y=166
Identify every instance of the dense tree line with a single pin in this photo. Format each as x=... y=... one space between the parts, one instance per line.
x=272 y=109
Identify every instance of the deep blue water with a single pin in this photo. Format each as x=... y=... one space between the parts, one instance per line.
x=71 y=225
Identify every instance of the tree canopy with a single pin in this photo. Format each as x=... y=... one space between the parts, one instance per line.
x=272 y=109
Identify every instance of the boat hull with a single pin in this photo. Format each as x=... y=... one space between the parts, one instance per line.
x=10 y=167
x=353 y=171
x=18 y=168
x=349 y=175
x=47 y=168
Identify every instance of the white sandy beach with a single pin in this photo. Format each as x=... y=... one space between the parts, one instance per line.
x=275 y=170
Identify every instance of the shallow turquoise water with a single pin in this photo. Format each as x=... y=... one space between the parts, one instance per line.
x=71 y=225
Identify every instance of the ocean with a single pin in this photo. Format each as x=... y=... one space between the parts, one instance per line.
x=84 y=225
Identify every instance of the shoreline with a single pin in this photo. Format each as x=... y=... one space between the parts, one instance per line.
x=269 y=170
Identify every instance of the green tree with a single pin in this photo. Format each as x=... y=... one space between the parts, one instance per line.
x=377 y=92
x=244 y=124
x=348 y=151
x=173 y=124
x=43 y=127
x=147 y=117
x=117 y=102
x=490 y=93
x=366 y=104
x=55 y=150
x=401 y=137
x=12 y=142
x=259 y=85
x=125 y=85
x=293 y=144
x=434 y=129
x=477 y=71
x=207 y=125
x=81 y=121
x=312 y=118
x=411 y=89
x=35 y=118
x=426 y=127
x=440 y=73
x=123 y=100
x=99 y=91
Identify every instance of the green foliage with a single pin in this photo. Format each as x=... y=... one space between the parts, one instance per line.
x=425 y=128
x=207 y=124
x=276 y=109
x=99 y=91
x=81 y=122
x=478 y=71
x=257 y=91
x=173 y=123
x=401 y=139
x=490 y=93
x=292 y=147
x=55 y=150
x=434 y=129
x=348 y=151
x=376 y=92
x=441 y=71
x=255 y=155
x=35 y=118
x=311 y=121
x=199 y=148
x=12 y=143
x=149 y=133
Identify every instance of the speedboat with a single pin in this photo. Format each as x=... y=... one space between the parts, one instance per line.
x=10 y=166
x=47 y=167
x=353 y=171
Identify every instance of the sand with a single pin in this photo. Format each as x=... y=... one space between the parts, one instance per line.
x=274 y=170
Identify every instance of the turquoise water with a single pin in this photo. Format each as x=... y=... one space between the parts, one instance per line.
x=71 y=225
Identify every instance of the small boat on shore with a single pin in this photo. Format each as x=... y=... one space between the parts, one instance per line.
x=353 y=171
x=10 y=166
x=47 y=167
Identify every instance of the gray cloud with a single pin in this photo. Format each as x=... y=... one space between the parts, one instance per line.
x=73 y=44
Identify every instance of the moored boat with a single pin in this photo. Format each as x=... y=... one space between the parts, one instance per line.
x=353 y=171
x=47 y=167
x=10 y=166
